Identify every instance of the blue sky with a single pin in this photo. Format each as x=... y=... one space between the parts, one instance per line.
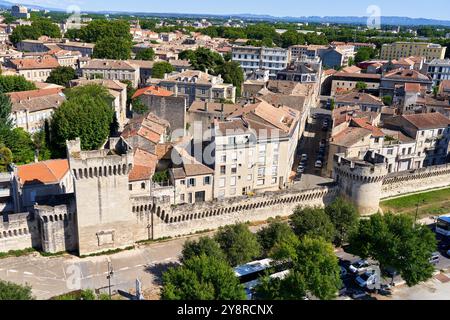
x=437 y=9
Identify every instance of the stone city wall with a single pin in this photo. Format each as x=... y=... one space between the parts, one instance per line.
x=415 y=181
x=18 y=232
x=159 y=221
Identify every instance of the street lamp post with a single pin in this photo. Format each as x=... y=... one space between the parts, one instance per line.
x=109 y=276
x=417 y=211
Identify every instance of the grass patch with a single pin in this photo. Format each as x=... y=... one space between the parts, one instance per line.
x=109 y=252
x=17 y=253
x=433 y=203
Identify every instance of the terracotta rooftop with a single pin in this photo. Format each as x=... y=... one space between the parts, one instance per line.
x=212 y=107
x=149 y=127
x=152 y=91
x=350 y=136
x=46 y=172
x=144 y=165
x=36 y=100
x=358 y=98
x=46 y=62
x=104 y=64
x=425 y=121
x=402 y=74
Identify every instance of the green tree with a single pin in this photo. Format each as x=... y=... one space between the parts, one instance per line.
x=5 y=157
x=204 y=245
x=291 y=37
x=47 y=28
x=344 y=216
x=364 y=54
x=21 y=33
x=101 y=29
x=112 y=48
x=292 y=287
x=146 y=54
x=15 y=84
x=238 y=243
x=203 y=59
x=395 y=241
x=86 y=114
x=5 y=111
x=275 y=233
x=315 y=269
x=62 y=76
x=202 y=278
x=387 y=100
x=312 y=222
x=232 y=73
x=21 y=145
x=11 y=291
x=361 y=86
x=161 y=68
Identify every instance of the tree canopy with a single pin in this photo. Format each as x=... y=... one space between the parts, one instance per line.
x=202 y=59
x=161 y=68
x=364 y=54
x=15 y=84
x=62 y=76
x=312 y=222
x=315 y=270
x=204 y=245
x=146 y=54
x=238 y=243
x=112 y=48
x=275 y=233
x=344 y=216
x=395 y=241
x=202 y=278
x=12 y=291
x=86 y=114
x=231 y=72
x=38 y=28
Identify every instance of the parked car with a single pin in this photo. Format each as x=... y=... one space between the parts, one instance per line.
x=300 y=169
x=358 y=294
x=359 y=266
x=344 y=272
x=318 y=164
x=366 y=279
x=435 y=258
x=323 y=143
x=304 y=157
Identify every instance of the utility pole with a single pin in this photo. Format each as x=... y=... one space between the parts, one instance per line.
x=417 y=211
x=109 y=276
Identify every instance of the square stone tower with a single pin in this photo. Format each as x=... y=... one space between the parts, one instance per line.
x=104 y=218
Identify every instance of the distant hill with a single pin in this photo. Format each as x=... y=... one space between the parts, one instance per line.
x=394 y=21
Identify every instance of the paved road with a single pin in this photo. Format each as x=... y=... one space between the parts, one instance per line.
x=49 y=277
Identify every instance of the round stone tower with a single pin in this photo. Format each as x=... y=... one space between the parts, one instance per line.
x=360 y=180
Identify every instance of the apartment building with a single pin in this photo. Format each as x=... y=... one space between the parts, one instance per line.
x=336 y=57
x=399 y=77
x=399 y=50
x=310 y=51
x=20 y=12
x=34 y=69
x=197 y=85
x=111 y=70
x=193 y=181
x=438 y=70
x=254 y=150
x=86 y=49
x=365 y=101
x=303 y=70
x=30 y=109
x=342 y=82
x=431 y=132
x=254 y=58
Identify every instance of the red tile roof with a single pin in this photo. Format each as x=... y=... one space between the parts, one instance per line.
x=152 y=91
x=46 y=172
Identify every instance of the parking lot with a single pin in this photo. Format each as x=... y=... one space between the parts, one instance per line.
x=435 y=288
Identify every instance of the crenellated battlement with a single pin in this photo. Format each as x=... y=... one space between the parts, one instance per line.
x=117 y=161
